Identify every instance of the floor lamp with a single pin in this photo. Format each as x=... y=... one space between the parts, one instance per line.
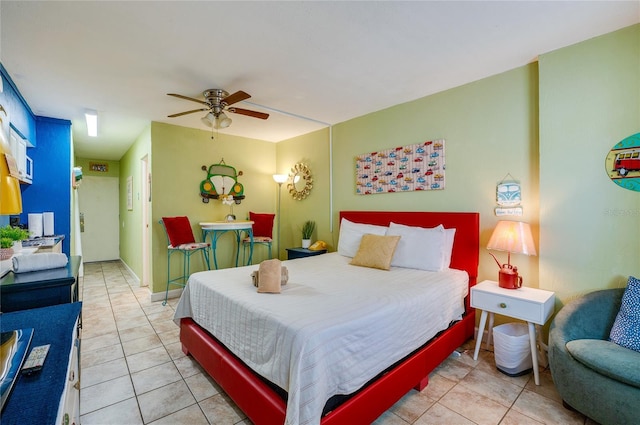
x=279 y=178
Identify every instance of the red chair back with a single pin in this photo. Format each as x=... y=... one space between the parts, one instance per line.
x=178 y=230
x=262 y=224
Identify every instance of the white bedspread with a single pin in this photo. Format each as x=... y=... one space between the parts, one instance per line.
x=332 y=328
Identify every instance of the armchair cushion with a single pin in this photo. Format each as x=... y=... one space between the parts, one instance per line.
x=608 y=359
x=626 y=328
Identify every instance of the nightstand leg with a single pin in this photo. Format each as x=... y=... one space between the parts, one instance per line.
x=534 y=352
x=483 y=321
x=490 y=330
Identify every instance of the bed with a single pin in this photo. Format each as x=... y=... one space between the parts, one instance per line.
x=254 y=362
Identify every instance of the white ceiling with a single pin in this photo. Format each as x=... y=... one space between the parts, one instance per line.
x=327 y=61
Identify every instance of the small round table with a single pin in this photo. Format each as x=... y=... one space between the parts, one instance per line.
x=218 y=228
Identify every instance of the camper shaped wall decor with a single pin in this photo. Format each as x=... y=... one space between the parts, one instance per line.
x=508 y=197
x=221 y=181
x=623 y=163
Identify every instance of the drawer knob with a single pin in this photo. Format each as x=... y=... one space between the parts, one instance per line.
x=503 y=305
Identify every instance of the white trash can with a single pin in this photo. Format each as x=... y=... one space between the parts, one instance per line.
x=511 y=349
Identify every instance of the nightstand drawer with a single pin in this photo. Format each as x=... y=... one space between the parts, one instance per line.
x=528 y=304
x=516 y=308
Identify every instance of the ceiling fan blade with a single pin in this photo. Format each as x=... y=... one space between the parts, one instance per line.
x=236 y=97
x=249 y=113
x=187 y=98
x=179 y=114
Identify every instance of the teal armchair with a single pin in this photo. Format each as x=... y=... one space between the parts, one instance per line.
x=593 y=375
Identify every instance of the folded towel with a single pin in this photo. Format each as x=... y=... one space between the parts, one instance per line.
x=269 y=276
x=284 y=277
x=35 y=262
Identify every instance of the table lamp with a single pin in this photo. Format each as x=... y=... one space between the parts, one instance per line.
x=513 y=237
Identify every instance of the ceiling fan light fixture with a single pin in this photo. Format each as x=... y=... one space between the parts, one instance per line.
x=222 y=121
x=208 y=119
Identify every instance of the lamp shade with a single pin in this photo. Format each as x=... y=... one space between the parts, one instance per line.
x=222 y=121
x=208 y=119
x=513 y=237
x=280 y=178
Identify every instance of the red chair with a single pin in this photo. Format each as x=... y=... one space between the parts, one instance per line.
x=180 y=239
x=262 y=232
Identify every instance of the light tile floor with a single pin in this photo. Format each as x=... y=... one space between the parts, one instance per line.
x=134 y=372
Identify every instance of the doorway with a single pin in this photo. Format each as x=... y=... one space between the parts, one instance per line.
x=98 y=198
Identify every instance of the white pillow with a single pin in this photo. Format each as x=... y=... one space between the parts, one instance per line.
x=351 y=235
x=449 y=234
x=419 y=248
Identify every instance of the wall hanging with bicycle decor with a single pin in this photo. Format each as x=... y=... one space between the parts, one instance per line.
x=402 y=169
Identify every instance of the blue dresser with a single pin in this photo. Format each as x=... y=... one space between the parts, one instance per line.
x=51 y=395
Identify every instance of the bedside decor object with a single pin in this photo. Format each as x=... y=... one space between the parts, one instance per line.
x=402 y=169
x=301 y=182
x=513 y=237
x=307 y=231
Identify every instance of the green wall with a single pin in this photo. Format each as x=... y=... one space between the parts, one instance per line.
x=490 y=130
x=131 y=220
x=312 y=150
x=549 y=124
x=589 y=101
x=178 y=153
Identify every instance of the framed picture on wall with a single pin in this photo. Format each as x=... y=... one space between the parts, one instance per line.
x=130 y=193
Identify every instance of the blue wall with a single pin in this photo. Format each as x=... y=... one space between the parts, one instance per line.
x=18 y=111
x=51 y=187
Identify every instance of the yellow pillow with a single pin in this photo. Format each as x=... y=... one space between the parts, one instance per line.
x=375 y=251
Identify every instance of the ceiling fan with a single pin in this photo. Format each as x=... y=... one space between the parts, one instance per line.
x=216 y=101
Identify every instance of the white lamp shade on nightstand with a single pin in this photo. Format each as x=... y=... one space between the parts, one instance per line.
x=513 y=237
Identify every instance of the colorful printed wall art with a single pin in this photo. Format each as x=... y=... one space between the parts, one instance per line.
x=402 y=169
x=623 y=163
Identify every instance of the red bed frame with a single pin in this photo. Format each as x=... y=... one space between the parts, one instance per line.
x=262 y=405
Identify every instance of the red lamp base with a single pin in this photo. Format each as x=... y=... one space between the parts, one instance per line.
x=508 y=278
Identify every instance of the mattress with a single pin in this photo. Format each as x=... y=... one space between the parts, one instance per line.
x=333 y=327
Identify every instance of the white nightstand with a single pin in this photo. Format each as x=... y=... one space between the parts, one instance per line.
x=534 y=306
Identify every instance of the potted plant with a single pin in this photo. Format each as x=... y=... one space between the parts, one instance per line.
x=307 y=230
x=10 y=237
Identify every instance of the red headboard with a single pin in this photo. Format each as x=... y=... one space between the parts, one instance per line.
x=467 y=238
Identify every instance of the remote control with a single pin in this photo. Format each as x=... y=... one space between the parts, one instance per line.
x=36 y=359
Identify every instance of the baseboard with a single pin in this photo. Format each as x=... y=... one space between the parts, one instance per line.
x=159 y=296
x=126 y=266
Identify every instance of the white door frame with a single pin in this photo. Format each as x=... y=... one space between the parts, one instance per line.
x=146 y=202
